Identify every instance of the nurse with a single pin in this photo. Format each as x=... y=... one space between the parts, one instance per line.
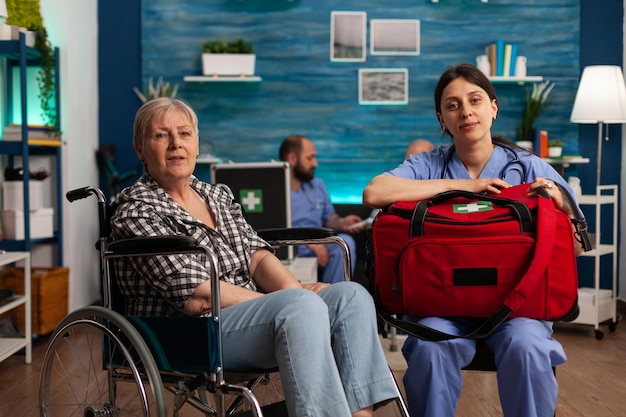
x=525 y=352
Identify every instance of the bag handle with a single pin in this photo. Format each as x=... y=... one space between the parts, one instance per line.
x=579 y=221
x=546 y=235
x=421 y=208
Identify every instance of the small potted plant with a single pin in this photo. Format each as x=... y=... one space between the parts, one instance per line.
x=228 y=58
x=555 y=148
x=160 y=89
x=535 y=102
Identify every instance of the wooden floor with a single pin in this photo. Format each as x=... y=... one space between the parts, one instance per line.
x=592 y=383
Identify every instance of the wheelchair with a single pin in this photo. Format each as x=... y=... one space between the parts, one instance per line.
x=101 y=363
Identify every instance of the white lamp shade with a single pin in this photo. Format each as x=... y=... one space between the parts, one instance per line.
x=601 y=96
x=3 y=11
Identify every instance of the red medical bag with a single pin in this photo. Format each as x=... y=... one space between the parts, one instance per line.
x=474 y=255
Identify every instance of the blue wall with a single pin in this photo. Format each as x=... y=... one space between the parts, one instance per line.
x=304 y=92
x=319 y=98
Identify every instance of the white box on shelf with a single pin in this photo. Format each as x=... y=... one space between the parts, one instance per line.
x=41 y=224
x=13 y=195
x=587 y=295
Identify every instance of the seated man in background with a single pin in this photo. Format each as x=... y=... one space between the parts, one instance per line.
x=418 y=146
x=311 y=207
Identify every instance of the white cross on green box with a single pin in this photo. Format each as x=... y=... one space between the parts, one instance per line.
x=251 y=200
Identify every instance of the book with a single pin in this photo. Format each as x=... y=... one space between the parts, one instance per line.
x=506 y=66
x=13 y=133
x=499 y=57
x=513 y=59
x=543 y=143
x=491 y=53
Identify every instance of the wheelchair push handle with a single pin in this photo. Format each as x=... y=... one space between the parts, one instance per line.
x=84 y=192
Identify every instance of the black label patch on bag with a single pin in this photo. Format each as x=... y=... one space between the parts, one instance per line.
x=472 y=277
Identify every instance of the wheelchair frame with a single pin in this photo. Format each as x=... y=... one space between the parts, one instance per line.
x=126 y=370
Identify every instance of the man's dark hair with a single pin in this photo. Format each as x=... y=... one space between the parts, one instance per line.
x=292 y=143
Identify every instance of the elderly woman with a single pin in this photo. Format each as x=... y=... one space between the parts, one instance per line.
x=322 y=338
x=525 y=352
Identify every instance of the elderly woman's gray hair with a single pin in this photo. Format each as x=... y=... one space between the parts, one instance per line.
x=155 y=109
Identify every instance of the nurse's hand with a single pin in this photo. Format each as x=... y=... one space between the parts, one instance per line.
x=555 y=194
x=490 y=185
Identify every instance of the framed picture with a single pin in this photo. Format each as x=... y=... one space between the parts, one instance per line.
x=394 y=37
x=347 y=36
x=383 y=86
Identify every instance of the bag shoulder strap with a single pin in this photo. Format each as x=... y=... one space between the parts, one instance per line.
x=580 y=223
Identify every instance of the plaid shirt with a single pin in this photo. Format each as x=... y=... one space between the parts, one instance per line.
x=161 y=285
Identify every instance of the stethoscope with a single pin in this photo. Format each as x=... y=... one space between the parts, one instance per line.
x=516 y=164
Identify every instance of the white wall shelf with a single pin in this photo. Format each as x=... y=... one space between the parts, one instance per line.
x=518 y=80
x=598 y=305
x=11 y=345
x=220 y=78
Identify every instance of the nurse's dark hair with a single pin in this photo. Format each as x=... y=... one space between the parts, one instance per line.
x=475 y=76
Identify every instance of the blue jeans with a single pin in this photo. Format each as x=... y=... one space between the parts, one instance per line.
x=326 y=346
x=333 y=271
x=524 y=352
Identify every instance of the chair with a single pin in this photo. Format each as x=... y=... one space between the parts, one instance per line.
x=99 y=362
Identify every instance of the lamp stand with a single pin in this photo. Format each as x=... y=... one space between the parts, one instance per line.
x=599 y=159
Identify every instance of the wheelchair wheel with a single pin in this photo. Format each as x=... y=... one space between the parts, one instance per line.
x=97 y=364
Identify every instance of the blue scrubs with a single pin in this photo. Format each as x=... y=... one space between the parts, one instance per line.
x=524 y=349
x=311 y=207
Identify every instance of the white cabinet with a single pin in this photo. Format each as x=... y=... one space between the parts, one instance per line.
x=597 y=304
x=10 y=345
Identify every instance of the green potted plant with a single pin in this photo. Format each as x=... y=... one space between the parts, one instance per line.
x=228 y=58
x=536 y=99
x=27 y=14
x=160 y=89
x=555 y=148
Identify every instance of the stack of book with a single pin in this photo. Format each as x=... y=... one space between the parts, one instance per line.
x=502 y=57
x=37 y=135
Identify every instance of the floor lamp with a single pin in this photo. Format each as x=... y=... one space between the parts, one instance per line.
x=601 y=99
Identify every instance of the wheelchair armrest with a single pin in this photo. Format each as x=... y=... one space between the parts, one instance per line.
x=296 y=233
x=152 y=245
x=308 y=236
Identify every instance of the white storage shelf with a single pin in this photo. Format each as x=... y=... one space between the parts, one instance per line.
x=598 y=305
x=11 y=345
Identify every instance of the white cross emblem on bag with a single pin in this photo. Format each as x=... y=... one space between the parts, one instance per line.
x=473 y=207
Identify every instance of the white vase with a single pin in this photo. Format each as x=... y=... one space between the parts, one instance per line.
x=483 y=64
x=525 y=144
x=520 y=66
x=555 y=152
x=574 y=183
x=228 y=64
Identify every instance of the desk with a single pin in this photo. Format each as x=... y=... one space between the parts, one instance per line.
x=565 y=161
x=11 y=345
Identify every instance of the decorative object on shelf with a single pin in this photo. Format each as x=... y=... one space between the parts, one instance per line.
x=536 y=98
x=160 y=89
x=525 y=144
x=220 y=57
x=520 y=66
x=555 y=148
x=601 y=99
x=483 y=64
x=574 y=183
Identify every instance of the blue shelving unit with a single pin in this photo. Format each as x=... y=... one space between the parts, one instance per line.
x=18 y=54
